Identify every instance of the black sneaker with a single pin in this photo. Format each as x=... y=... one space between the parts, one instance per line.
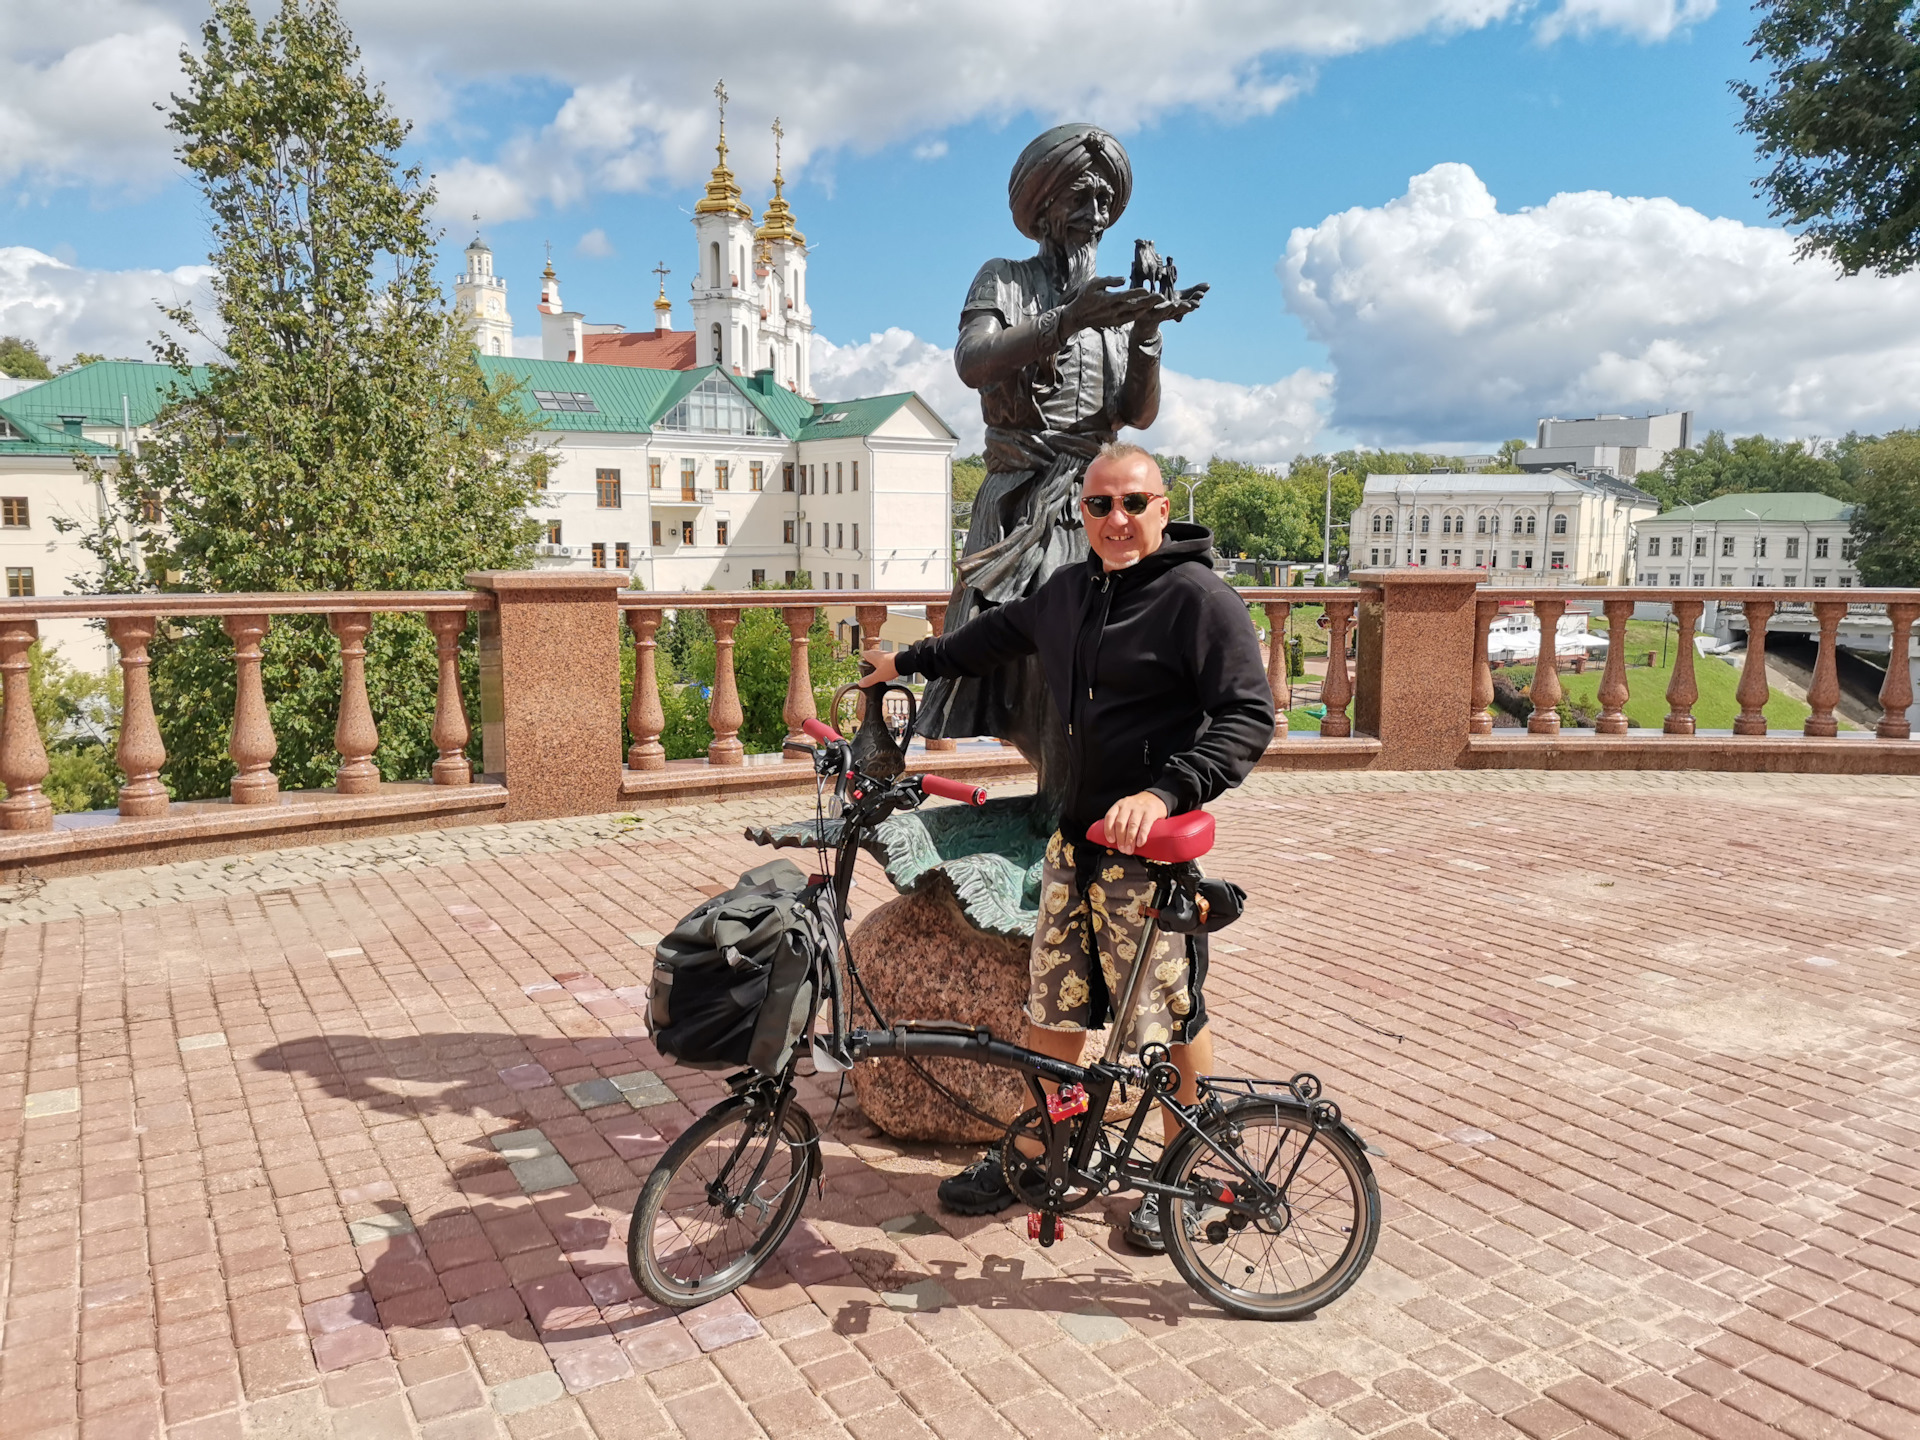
x=1143 y=1226
x=980 y=1189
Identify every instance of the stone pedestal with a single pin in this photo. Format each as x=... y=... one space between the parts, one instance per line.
x=923 y=960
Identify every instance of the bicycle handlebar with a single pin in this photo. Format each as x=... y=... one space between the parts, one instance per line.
x=953 y=790
x=819 y=730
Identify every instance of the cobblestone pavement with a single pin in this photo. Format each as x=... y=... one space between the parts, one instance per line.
x=341 y=1141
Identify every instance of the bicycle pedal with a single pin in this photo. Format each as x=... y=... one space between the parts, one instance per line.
x=1045 y=1228
x=1067 y=1102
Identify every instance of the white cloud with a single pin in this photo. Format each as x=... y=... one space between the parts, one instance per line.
x=595 y=244
x=65 y=309
x=1444 y=316
x=1198 y=418
x=81 y=75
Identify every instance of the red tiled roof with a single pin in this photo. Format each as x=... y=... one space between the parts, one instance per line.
x=647 y=349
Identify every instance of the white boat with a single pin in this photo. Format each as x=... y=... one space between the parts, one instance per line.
x=1515 y=638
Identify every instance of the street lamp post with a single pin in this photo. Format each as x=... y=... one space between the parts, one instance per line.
x=1187 y=478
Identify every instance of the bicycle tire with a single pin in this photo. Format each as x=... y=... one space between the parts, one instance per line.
x=650 y=1267
x=1332 y=1195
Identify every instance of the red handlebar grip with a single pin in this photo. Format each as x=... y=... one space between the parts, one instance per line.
x=820 y=730
x=953 y=790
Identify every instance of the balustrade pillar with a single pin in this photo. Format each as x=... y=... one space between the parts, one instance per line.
x=1278 y=678
x=354 y=734
x=1613 y=683
x=1545 y=691
x=1824 y=693
x=141 y=752
x=646 y=718
x=723 y=711
x=450 y=730
x=870 y=619
x=252 y=745
x=1754 y=690
x=1481 y=721
x=937 y=622
x=799 y=707
x=1336 y=692
x=23 y=759
x=1683 y=691
x=1896 y=694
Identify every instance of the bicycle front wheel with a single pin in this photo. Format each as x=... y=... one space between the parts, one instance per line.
x=1305 y=1256
x=721 y=1201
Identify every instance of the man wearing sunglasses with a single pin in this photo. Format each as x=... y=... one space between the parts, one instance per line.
x=1155 y=674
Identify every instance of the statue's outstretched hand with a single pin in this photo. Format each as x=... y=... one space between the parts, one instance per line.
x=1097 y=306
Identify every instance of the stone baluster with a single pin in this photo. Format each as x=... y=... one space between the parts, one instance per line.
x=799 y=707
x=450 y=730
x=1278 y=678
x=23 y=759
x=1824 y=693
x=646 y=719
x=354 y=734
x=1896 y=694
x=1481 y=722
x=1336 y=692
x=1545 y=691
x=141 y=752
x=937 y=622
x=1683 y=690
x=723 y=711
x=870 y=618
x=1754 y=690
x=252 y=746
x=1613 y=684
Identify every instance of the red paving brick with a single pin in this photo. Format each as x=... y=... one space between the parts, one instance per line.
x=1674 y=1196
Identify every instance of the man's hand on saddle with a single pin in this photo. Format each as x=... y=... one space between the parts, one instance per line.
x=882 y=671
x=1131 y=817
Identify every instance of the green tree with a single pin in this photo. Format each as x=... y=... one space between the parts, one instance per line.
x=1839 y=117
x=21 y=359
x=1254 y=513
x=1886 y=515
x=82 y=357
x=345 y=439
x=1753 y=464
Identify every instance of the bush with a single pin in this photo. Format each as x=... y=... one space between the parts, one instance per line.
x=76 y=714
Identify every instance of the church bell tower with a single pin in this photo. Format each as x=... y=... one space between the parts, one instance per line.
x=786 y=319
x=480 y=297
x=725 y=310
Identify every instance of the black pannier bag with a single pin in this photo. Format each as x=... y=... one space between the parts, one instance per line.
x=737 y=982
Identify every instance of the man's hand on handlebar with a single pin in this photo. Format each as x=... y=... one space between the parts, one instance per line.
x=1131 y=818
x=884 y=672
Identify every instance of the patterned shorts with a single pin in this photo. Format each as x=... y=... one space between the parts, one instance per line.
x=1108 y=918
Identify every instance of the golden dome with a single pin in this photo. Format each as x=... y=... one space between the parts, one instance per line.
x=723 y=191
x=778 y=224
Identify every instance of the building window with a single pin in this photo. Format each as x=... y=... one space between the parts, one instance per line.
x=1557 y=560
x=1699 y=577
x=1373 y=556
x=1725 y=578
x=1820 y=549
x=1699 y=545
x=786 y=531
x=1653 y=547
x=1527 y=562
x=1560 y=526
x=722 y=473
x=1790 y=581
x=1426 y=524
x=756 y=475
x=622 y=556
x=759 y=579
x=839 y=477
x=553 y=532
x=1480 y=525
x=856 y=486
x=839 y=537
x=1480 y=559
x=13 y=512
x=1389 y=523
x=809 y=533
x=856 y=579
x=1423 y=557
x=1793 y=547
x=786 y=477
x=606 y=489
x=1819 y=582
x=792 y=575
x=656 y=534
x=1516 y=524
x=1846 y=582
x=1759 y=547
x=1726 y=547
x=1376 y=522
x=689 y=472
x=839 y=580
x=720 y=532
x=1673 y=580
x=686 y=532
x=653 y=474
x=1529 y=522
x=599 y=555
x=856 y=538
x=19 y=582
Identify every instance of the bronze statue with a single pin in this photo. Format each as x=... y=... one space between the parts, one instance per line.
x=1062 y=362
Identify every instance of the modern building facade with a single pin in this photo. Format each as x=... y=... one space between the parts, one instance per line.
x=1558 y=527
x=1751 y=541
x=1622 y=445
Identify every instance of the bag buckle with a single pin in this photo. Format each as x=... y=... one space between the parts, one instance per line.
x=1067 y=1102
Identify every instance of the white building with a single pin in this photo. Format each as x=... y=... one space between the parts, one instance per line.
x=1751 y=541
x=1624 y=445
x=480 y=297
x=1557 y=527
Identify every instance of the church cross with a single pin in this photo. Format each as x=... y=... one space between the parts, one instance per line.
x=779 y=134
x=720 y=92
x=662 y=271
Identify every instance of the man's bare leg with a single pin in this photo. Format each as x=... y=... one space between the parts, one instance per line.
x=1193 y=1059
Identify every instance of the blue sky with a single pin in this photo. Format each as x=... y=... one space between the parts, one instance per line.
x=900 y=210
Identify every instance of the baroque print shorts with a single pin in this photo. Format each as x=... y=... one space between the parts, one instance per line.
x=1107 y=920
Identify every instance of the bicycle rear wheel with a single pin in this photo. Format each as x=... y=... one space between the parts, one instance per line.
x=722 y=1199
x=1306 y=1256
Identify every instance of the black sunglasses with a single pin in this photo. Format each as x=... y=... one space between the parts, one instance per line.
x=1134 y=503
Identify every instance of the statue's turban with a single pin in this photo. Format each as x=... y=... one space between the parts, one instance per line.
x=1055 y=161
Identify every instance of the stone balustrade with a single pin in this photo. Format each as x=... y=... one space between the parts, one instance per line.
x=556 y=741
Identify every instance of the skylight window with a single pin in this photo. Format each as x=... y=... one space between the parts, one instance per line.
x=713 y=407
x=833 y=419
x=576 y=401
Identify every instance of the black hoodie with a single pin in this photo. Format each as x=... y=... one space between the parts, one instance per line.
x=1155 y=670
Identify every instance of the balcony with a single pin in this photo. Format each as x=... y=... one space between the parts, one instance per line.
x=686 y=497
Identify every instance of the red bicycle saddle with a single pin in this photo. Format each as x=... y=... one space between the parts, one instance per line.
x=1171 y=841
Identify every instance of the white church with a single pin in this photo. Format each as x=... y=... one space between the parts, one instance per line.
x=701 y=457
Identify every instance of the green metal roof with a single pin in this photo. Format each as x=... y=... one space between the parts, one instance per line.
x=94 y=391
x=846 y=419
x=1793 y=507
